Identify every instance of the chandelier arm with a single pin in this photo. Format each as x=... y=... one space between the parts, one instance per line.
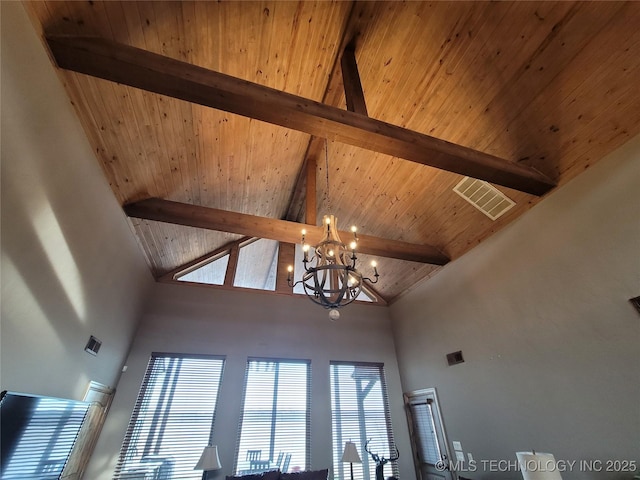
x=309 y=260
x=293 y=284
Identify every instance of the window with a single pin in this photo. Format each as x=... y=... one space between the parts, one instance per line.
x=257 y=264
x=172 y=419
x=211 y=271
x=38 y=434
x=274 y=430
x=360 y=412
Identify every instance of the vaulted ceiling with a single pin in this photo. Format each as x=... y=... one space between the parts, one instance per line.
x=525 y=95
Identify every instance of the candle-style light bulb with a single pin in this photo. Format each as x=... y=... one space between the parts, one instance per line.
x=374 y=264
x=353 y=245
x=354 y=229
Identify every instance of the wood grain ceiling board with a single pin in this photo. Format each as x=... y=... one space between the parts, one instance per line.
x=552 y=85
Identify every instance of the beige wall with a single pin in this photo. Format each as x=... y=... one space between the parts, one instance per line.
x=239 y=324
x=541 y=313
x=70 y=265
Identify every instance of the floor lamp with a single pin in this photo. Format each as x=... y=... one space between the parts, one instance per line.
x=209 y=460
x=350 y=455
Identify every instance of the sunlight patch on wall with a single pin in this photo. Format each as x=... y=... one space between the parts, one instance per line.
x=29 y=319
x=60 y=257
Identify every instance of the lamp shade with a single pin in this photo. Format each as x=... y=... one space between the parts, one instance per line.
x=209 y=459
x=350 y=454
x=538 y=466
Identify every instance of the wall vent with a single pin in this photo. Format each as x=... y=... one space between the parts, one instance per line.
x=455 y=358
x=93 y=345
x=484 y=196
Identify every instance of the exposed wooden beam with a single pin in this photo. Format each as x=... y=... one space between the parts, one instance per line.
x=280 y=230
x=286 y=257
x=372 y=291
x=232 y=265
x=156 y=73
x=296 y=212
x=351 y=79
x=200 y=261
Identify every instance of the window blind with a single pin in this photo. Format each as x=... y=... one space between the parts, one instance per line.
x=38 y=434
x=360 y=412
x=172 y=419
x=425 y=432
x=274 y=429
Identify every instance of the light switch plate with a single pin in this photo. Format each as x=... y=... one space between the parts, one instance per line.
x=459 y=456
x=470 y=457
x=457 y=445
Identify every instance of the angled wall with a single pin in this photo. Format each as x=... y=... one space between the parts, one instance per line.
x=541 y=312
x=71 y=267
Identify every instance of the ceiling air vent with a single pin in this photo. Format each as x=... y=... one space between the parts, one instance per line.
x=484 y=196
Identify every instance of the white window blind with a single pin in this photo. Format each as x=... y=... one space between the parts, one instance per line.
x=172 y=419
x=274 y=430
x=360 y=412
x=425 y=432
x=38 y=434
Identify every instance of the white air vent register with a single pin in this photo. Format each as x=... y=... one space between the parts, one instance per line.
x=484 y=196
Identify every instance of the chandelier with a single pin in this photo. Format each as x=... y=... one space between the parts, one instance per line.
x=330 y=276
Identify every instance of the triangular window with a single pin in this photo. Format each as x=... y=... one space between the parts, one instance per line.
x=257 y=264
x=211 y=271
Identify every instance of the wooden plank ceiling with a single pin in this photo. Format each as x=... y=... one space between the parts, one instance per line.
x=548 y=86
